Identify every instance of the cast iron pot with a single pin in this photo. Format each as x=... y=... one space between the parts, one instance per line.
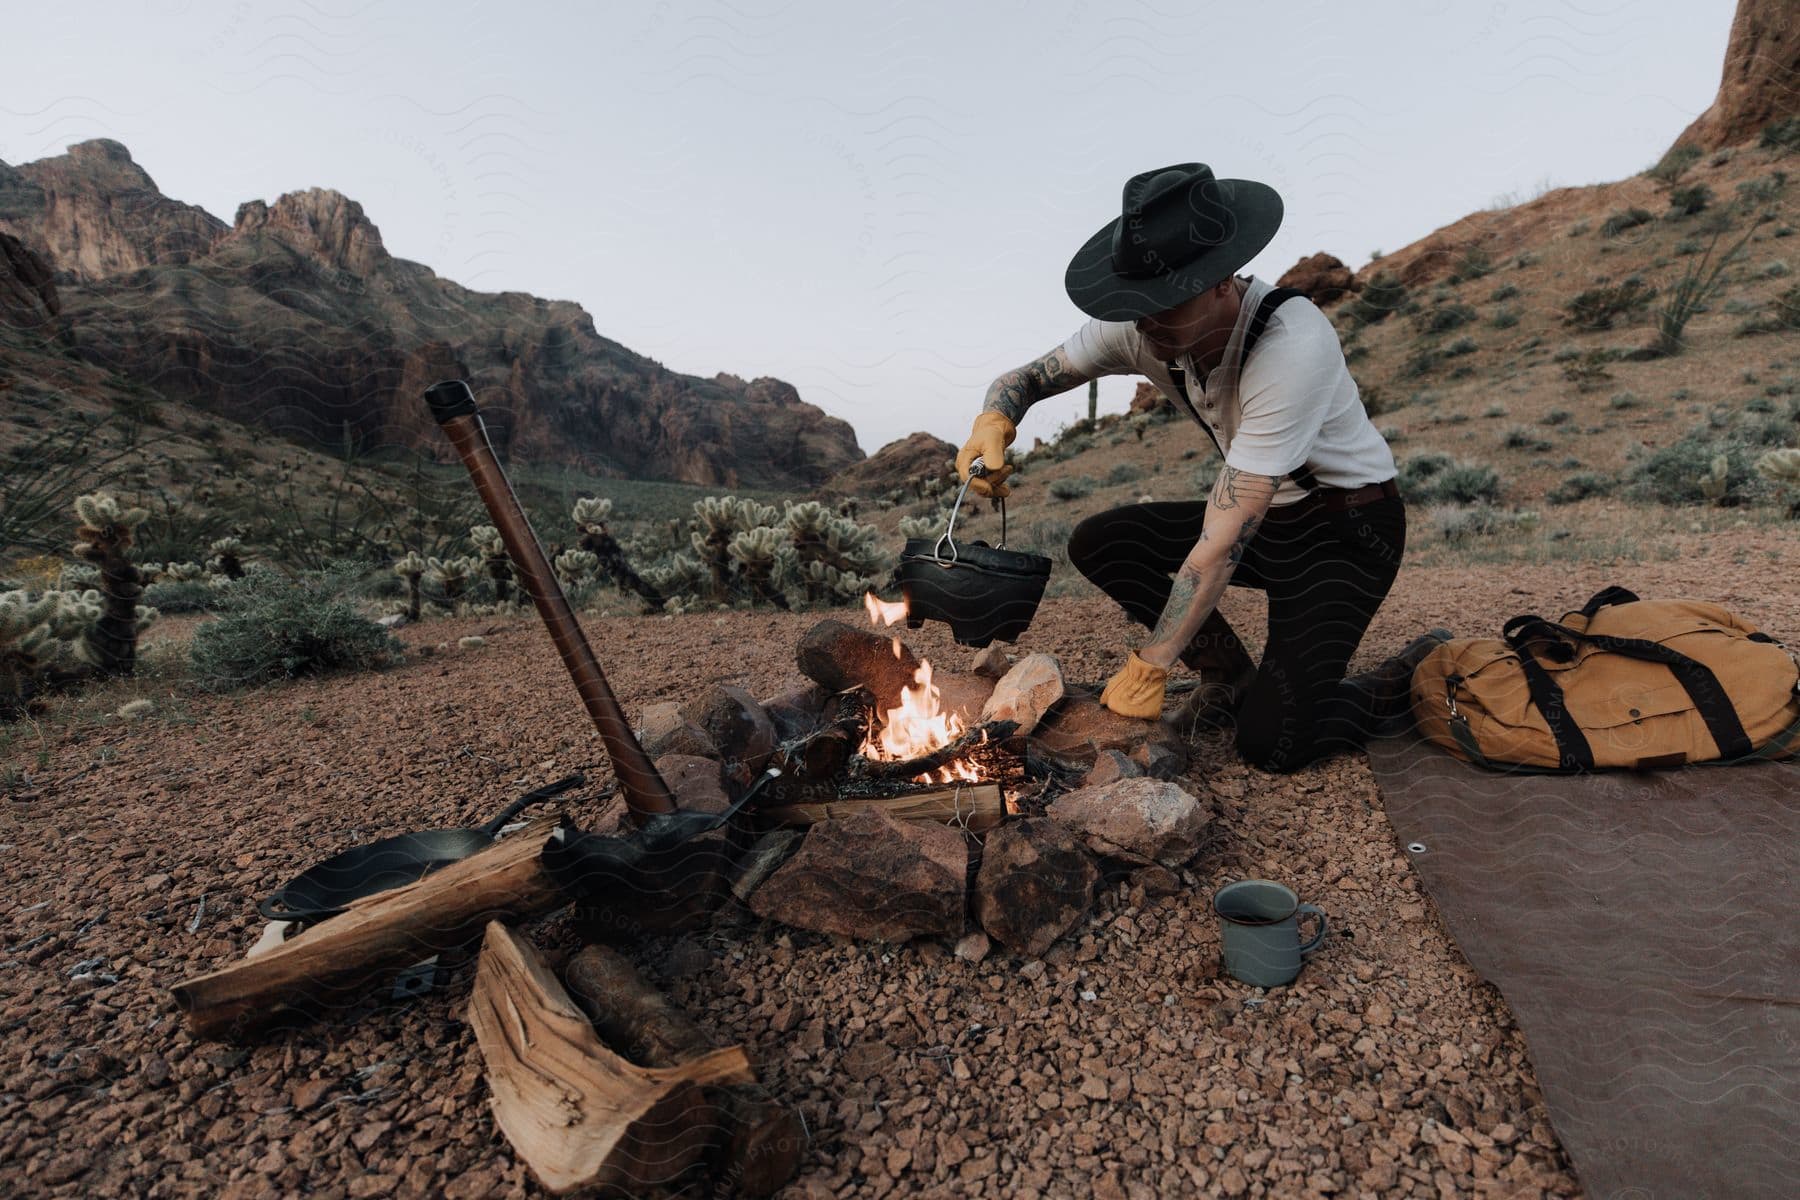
x=324 y=889
x=982 y=592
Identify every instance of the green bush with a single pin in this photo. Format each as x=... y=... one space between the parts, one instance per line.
x=1557 y=416
x=271 y=627
x=1442 y=318
x=1622 y=400
x=1579 y=487
x=1474 y=263
x=1073 y=488
x=1505 y=317
x=1381 y=296
x=1686 y=201
x=1505 y=291
x=1437 y=478
x=1629 y=218
x=1124 y=473
x=184 y=596
x=1782 y=136
x=1674 y=164
x=1422 y=361
x=1673 y=474
x=1598 y=307
x=1460 y=347
x=1519 y=438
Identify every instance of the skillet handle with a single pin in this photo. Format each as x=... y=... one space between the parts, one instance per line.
x=493 y=827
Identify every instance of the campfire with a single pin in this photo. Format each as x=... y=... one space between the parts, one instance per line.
x=918 y=726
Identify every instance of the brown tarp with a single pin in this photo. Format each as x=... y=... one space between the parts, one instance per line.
x=1645 y=931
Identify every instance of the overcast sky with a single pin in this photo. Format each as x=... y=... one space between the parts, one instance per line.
x=873 y=202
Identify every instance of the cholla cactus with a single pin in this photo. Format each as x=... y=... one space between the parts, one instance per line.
x=183 y=572
x=102 y=538
x=28 y=645
x=410 y=567
x=452 y=576
x=492 y=546
x=1716 y=483
x=227 y=557
x=682 y=576
x=591 y=513
x=1782 y=468
x=590 y=516
x=821 y=538
x=918 y=527
x=576 y=567
x=756 y=550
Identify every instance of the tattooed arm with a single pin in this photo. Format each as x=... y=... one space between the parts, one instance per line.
x=1234 y=511
x=1018 y=389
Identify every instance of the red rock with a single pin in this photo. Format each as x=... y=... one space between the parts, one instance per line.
x=662 y=729
x=698 y=783
x=1322 y=277
x=1025 y=692
x=1138 y=820
x=1036 y=881
x=1761 y=80
x=870 y=876
x=308 y=1093
x=736 y=725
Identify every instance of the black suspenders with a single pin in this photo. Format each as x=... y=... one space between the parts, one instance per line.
x=1259 y=320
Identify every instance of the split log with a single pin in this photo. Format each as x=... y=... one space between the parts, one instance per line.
x=375 y=938
x=578 y=1114
x=981 y=735
x=766 y=1137
x=821 y=754
x=975 y=806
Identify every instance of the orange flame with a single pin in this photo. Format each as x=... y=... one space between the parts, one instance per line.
x=918 y=724
x=884 y=612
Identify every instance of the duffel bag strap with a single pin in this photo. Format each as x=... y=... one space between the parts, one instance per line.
x=1605 y=596
x=1529 y=628
x=1572 y=750
x=1695 y=677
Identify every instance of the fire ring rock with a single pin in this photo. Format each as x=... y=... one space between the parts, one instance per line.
x=1138 y=820
x=1036 y=881
x=870 y=876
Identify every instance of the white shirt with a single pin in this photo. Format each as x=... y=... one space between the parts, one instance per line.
x=1294 y=404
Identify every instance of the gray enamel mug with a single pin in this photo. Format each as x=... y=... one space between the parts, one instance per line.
x=1259 y=929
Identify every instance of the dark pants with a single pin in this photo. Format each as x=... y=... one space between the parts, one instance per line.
x=1325 y=572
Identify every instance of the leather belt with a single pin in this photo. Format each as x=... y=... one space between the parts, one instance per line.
x=1336 y=499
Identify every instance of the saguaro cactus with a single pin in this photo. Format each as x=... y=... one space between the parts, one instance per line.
x=102 y=539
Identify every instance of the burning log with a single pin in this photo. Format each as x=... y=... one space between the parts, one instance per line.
x=578 y=1114
x=837 y=657
x=376 y=937
x=868 y=768
x=767 y=1137
x=974 y=806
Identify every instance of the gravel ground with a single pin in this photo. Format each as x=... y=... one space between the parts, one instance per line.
x=135 y=851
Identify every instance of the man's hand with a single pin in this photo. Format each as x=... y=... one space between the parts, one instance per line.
x=988 y=441
x=1137 y=690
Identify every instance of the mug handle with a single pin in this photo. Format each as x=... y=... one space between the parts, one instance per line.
x=1317 y=938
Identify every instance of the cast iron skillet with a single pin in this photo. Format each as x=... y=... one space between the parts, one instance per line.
x=323 y=890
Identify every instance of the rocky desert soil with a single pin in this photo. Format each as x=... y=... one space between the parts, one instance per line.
x=1122 y=1064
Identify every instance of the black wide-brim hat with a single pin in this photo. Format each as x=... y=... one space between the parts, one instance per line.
x=1180 y=231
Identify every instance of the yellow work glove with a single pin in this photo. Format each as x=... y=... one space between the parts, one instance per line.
x=988 y=441
x=1137 y=690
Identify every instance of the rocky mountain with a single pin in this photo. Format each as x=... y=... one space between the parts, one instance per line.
x=899 y=464
x=296 y=318
x=1761 y=80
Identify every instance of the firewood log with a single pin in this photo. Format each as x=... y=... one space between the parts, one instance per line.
x=578 y=1114
x=838 y=657
x=975 y=806
x=766 y=1137
x=377 y=936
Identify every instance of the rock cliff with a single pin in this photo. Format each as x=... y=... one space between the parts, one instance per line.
x=1761 y=80
x=295 y=317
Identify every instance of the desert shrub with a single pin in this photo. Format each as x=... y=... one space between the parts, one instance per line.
x=1754 y=193
x=1685 y=471
x=1622 y=400
x=1674 y=164
x=1422 y=361
x=1505 y=317
x=1520 y=438
x=1474 y=263
x=1494 y=410
x=1383 y=295
x=1437 y=478
x=1686 y=201
x=1072 y=488
x=1693 y=292
x=1459 y=524
x=182 y=596
x=1578 y=228
x=1460 y=347
x=1629 y=218
x=1442 y=318
x=1504 y=292
x=1557 y=416
x=1782 y=136
x=272 y=627
x=1124 y=473
x=1689 y=246
x=1599 y=307
x=1579 y=487
x=1775 y=268
x=1049 y=538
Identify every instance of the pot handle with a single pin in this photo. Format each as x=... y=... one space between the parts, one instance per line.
x=493 y=827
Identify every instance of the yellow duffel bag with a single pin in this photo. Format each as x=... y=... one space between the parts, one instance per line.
x=1621 y=682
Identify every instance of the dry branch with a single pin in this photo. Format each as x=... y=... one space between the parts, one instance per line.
x=766 y=1138
x=993 y=731
x=578 y=1114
